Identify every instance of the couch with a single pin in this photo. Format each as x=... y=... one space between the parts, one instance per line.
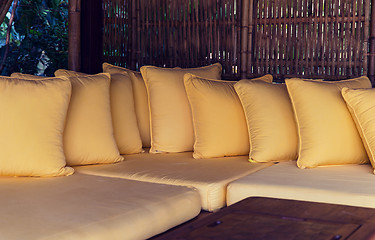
x=141 y=153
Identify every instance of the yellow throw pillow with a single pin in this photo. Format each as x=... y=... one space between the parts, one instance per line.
x=270 y=120
x=32 y=122
x=140 y=100
x=124 y=120
x=88 y=136
x=125 y=125
x=69 y=73
x=218 y=118
x=171 y=120
x=327 y=132
x=27 y=76
x=361 y=104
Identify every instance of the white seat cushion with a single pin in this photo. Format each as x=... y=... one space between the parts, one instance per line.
x=91 y=207
x=347 y=185
x=210 y=176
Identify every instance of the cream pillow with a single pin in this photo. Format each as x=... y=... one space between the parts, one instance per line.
x=88 y=136
x=219 y=122
x=140 y=100
x=32 y=122
x=27 y=76
x=270 y=120
x=125 y=126
x=361 y=104
x=171 y=120
x=70 y=73
x=327 y=133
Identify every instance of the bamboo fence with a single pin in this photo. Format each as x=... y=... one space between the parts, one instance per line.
x=172 y=33
x=311 y=38
x=286 y=38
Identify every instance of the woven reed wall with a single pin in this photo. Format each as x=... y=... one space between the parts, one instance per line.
x=184 y=33
x=326 y=38
x=311 y=38
x=117 y=42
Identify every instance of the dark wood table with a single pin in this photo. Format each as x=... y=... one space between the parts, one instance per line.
x=271 y=218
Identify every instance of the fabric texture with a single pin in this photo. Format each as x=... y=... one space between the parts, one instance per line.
x=327 y=132
x=91 y=208
x=88 y=136
x=218 y=118
x=69 y=73
x=270 y=121
x=27 y=76
x=140 y=100
x=124 y=120
x=125 y=125
x=170 y=114
x=347 y=184
x=209 y=176
x=32 y=125
x=361 y=104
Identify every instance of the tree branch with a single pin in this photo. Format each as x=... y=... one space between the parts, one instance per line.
x=4 y=8
x=7 y=42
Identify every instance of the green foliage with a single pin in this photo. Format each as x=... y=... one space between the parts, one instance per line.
x=39 y=37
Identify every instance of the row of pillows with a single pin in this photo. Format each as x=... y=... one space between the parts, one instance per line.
x=98 y=119
x=174 y=110
x=49 y=123
x=303 y=120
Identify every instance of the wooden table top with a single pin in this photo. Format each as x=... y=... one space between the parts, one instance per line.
x=270 y=218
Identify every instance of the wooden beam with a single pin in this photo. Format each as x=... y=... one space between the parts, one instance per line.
x=74 y=24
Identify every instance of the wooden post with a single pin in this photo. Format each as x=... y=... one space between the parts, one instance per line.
x=92 y=19
x=74 y=24
x=244 y=36
x=134 y=30
x=371 y=68
x=250 y=38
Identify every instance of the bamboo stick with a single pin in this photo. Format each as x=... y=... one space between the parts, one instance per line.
x=371 y=71
x=74 y=24
x=245 y=16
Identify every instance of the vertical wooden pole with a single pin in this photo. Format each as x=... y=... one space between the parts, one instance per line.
x=92 y=19
x=134 y=30
x=371 y=71
x=250 y=38
x=244 y=36
x=74 y=25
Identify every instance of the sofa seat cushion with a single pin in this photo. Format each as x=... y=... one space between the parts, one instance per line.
x=347 y=184
x=210 y=176
x=91 y=207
